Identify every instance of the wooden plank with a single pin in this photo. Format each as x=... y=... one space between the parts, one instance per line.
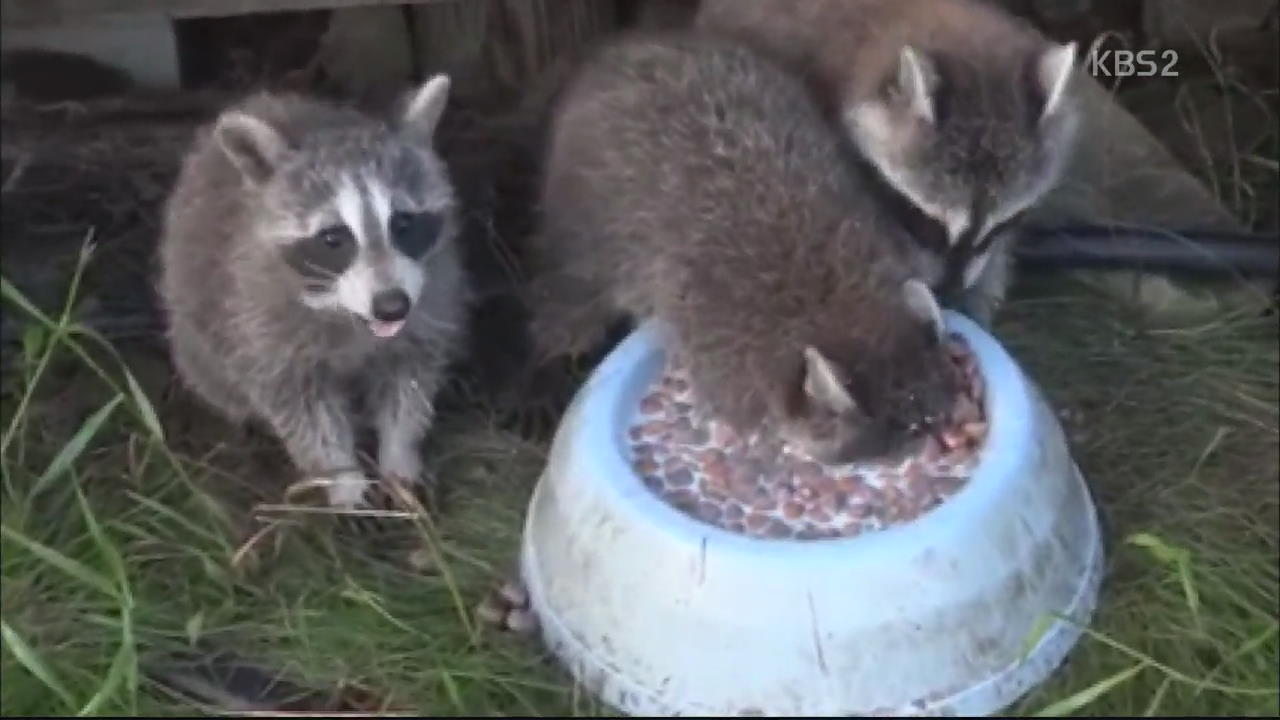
x=26 y=13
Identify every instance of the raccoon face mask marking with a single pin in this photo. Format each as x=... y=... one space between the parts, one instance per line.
x=355 y=212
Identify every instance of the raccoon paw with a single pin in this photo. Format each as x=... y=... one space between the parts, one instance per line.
x=347 y=490
x=506 y=608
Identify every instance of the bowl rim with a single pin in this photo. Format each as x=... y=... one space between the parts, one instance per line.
x=1010 y=406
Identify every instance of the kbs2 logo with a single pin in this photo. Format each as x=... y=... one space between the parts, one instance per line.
x=1127 y=63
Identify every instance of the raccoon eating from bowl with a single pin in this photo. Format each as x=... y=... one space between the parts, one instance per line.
x=311 y=277
x=691 y=180
x=965 y=114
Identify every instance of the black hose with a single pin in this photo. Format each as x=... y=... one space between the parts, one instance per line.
x=1217 y=254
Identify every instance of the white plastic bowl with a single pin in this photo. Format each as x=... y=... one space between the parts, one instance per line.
x=659 y=613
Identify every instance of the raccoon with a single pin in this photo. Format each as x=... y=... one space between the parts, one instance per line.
x=690 y=180
x=311 y=279
x=964 y=113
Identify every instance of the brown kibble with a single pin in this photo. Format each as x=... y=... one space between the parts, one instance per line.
x=890 y=493
x=977 y=389
x=710 y=511
x=723 y=435
x=744 y=492
x=712 y=492
x=872 y=496
x=655 y=430
x=827 y=503
x=967 y=410
x=824 y=485
x=651 y=404
x=714 y=480
x=754 y=483
x=808 y=470
x=698 y=436
x=645 y=466
x=838 y=501
x=809 y=532
x=764 y=504
x=778 y=529
x=933 y=450
x=681 y=477
x=953 y=438
x=976 y=430
x=712 y=456
x=683 y=499
x=914 y=473
x=946 y=485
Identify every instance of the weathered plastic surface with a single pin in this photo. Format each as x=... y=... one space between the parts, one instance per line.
x=661 y=614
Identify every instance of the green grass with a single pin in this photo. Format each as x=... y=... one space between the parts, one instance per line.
x=129 y=536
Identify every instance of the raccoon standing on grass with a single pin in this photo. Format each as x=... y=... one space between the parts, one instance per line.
x=309 y=264
x=965 y=112
x=692 y=181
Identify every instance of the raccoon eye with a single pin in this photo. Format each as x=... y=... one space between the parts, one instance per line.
x=414 y=233
x=335 y=237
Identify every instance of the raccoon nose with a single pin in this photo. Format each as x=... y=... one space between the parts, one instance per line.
x=391 y=305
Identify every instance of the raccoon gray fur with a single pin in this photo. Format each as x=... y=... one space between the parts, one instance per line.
x=311 y=279
x=964 y=111
x=692 y=181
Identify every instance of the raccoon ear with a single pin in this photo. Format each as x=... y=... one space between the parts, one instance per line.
x=1054 y=68
x=426 y=105
x=916 y=81
x=254 y=146
x=823 y=382
x=922 y=303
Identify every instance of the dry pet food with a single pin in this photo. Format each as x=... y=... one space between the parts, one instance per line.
x=758 y=487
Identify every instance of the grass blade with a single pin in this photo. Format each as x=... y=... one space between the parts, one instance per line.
x=30 y=660
x=15 y=296
x=451 y=689
x=71 y=452
x=1073 y=703
x=145 y=408
x=115 y=677
x=1180 y=559
x=124 y=668
x=71 y=567
x=1035 y=635
x=1154 y=706
x=194 y=627
x=32 y=343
